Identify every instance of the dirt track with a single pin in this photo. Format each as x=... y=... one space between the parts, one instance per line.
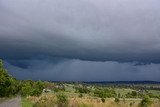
x=16 y=102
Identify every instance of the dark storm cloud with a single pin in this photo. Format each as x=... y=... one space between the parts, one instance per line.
x=77 y=70
x=103 y=30
x=89 y=40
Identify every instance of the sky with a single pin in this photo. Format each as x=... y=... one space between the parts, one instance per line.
x=81 y=40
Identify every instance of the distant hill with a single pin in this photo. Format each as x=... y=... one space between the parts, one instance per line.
x=123 y=82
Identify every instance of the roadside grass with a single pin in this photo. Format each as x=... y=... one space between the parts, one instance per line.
x=26 y=103
x=3 y=99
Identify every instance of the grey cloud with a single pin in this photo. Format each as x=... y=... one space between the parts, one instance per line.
x=121 y=30
x=77 y=70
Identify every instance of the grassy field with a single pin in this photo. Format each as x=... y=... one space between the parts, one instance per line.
x=154 y=92
x=74 y=101
x=72 y=98
x=123 y=91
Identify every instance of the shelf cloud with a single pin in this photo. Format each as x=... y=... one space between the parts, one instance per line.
x=103 y=31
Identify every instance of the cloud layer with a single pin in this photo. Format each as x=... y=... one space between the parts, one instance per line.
x=81 y=39
x=78 y=70
x=85 y=29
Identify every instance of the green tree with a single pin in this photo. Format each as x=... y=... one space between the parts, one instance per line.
x=8 y=84
x=26 y=90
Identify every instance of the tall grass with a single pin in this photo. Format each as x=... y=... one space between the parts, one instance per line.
x=26 y=103
x=50 y=100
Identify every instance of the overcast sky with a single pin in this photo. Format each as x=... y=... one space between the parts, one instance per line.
x=81 y=40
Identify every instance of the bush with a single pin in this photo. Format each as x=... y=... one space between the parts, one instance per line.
x=26 y=90
x=82 y=89
x=103 y=93
x=36 y=92
x=80 y=95
x=117 y=100
x=62 y=100
x=103 y=100
x=146 y=101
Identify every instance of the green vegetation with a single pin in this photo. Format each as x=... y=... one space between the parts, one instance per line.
x=82 y=89
x=62 y=100
x=104 y=93
x=26 y=103
x=117 y=100
x=146 y=102
x=9 y=86
x=103 y=100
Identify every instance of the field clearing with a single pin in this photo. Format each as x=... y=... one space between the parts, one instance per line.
x=88 y=101
x=123 y=91
x=154 y=92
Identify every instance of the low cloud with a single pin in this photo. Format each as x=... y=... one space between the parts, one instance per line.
x=78 y=70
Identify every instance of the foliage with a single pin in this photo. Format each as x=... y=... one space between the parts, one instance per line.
x=117 y=100
x=80 y=95
x=146 y=101
x=8 y=84
x=103 y=100
x=30 y=88
x=62 y=100
x=59 y=88
x=133 y=94
x=82 y=89
x=103 y=93
x=26 y=103
x=26 y=90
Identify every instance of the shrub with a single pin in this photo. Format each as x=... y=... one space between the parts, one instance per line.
x=36 y=92
x=80 y=95
x=117 y=100
x=103 y=100
x=146 y=101
x=26 y=90
x=103 y=93
x=62 y=100
x=82 y=89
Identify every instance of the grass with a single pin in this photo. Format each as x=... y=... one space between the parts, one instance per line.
x=26 y=103
x=123 y=91
x=49 y=100
x=154 y=92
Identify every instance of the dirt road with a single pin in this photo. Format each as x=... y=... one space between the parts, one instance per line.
x=15 y=102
